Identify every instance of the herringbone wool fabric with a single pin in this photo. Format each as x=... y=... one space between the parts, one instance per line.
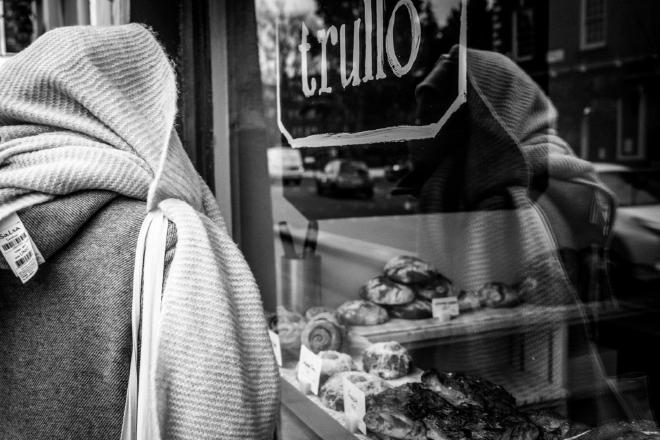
x=93 y=108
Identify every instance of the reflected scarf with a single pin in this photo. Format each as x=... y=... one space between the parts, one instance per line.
x=93 y=108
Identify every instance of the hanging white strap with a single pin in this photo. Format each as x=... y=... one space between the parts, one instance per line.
x=140 y=417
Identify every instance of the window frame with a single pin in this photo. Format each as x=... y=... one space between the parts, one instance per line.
x=514 y=36
x=584 y=44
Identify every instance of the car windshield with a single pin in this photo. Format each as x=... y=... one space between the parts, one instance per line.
x=634 y=188
x=352 y=168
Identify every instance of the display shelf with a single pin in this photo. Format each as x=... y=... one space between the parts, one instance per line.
x=509 y=320
x=528 y=389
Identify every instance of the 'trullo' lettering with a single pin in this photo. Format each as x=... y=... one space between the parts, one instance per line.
x=384 y=43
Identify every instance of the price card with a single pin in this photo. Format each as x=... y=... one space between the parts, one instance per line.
x=355 y=407
x=445 y=308
x=277 y=349
x=17 y=248
x=309 y=369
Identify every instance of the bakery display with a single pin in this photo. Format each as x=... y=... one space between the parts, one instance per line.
x=289 y=326
x=332 y=391
x=407 y=269
x=334 y=362
x=389 y=360
x=418 y=309
x=323 y=333
x=383 y=291
x=361 y=312
x=437 y=287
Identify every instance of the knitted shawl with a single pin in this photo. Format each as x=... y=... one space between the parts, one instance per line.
x=93 y=108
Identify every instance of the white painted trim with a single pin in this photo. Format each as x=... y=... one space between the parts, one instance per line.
x=219 y=85
x=389 y=134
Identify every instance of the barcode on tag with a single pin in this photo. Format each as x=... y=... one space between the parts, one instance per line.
x=17 y=248
x=15 y=242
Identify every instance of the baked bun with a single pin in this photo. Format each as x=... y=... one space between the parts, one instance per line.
x=418 y=309
x=312 y=312
x=289 y=326
x=332 y=391
x=383 y=291
x=406 y=269
x=438 y=287
x=360 y=312
x=499 y=295
x=322 y=334
x=468 y=301
x=389 y=360
x=334 y=362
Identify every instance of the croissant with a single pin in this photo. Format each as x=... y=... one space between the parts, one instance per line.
x=322 y=335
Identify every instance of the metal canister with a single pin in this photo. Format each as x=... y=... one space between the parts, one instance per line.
x=300 y=286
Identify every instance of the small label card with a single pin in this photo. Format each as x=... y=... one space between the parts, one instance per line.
x=355 y=407
x=17 y=248
x=445 y=308
x=277 y=349
x=309 y=369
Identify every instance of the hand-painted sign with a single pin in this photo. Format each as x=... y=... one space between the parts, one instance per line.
x=347 y=71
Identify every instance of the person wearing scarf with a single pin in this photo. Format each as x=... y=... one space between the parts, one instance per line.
x=87 y=149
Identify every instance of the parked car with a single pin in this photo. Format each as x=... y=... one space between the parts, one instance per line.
x=343 y=176
x=285 y=164
x=635 y=249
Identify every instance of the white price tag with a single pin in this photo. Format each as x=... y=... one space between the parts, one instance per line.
x=277 y=349
x=309 y=369
x=355 y=407
x=17 y=248
x=445 y=308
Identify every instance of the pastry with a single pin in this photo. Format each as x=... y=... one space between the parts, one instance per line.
x=418 y=309
x=334 y=362
x=383 y=291
x=394 y=424
x=551 y=424
x=468 y=301
x=499 y=295
x=332 y=391
x=289 y=326
x=360 y=312
x=464 y=390
x=437 y=287
x=389 y=360
x=409 y=270
x=315 y=311
x=321 y=334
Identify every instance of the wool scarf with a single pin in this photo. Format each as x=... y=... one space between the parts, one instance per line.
x=93 y=108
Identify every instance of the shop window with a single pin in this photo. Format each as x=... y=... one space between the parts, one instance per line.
x=593 y=24
x=523 y=34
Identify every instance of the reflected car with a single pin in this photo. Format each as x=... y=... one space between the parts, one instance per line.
x=635 y=248
x=396 y=171
x=347 y=177
x=285 y=164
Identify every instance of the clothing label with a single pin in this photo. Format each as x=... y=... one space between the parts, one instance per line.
x=445 y=308
x=17 y=248
x=355 y=407
x=275 y=342
x=309 y=369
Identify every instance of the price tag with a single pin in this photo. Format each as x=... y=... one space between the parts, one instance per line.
x=17 y=248
x=277 y=349
x=309 y=369
x=355 y=407
x=445 y=308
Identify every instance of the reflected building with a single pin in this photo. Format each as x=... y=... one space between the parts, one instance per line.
x=598 y=60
